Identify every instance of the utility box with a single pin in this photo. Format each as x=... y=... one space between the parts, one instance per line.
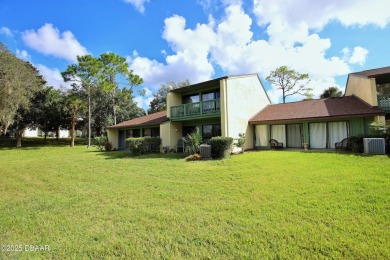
x=374 y=145
x=205 y=151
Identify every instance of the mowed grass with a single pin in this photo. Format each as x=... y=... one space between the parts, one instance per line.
x=270 y=204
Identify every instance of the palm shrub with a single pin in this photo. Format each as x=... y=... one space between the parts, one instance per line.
x=192 y=142
x=220 y=146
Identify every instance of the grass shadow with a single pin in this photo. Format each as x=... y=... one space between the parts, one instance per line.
x=38 y=142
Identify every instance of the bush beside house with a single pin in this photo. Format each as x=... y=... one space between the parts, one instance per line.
x=220 y=146
x=143 y=145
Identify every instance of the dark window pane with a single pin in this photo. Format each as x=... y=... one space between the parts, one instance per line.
x=207 y=132
x=190 y=99
x=155 y=131
x=208 y=96
x=147 y=132
x=188 y=130
x=136 y=133
x=217 y=130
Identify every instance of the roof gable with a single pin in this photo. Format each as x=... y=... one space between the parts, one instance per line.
x=348 y=106
x=148 y=120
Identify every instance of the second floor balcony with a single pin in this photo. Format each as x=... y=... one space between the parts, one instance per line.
x=384 y=102
x=196 y=109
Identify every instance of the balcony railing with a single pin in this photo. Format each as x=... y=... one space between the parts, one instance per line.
x=197 y=108
x=384 y=102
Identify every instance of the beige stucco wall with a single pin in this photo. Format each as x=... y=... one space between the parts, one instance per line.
x=170 y=132
x=112 y=135
x=363 y=88
x=223 y=103
x=173 y=99
x=245 y=96
x=380 y=119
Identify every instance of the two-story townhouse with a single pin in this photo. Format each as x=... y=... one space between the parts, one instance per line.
x=231 y=105
x=218 y=107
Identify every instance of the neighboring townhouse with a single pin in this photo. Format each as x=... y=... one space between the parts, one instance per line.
x=218 y=107
x=321 y=123
x=231 y=105
x=36 y=132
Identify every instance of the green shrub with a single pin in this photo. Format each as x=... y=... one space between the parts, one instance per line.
x=143 y=145
x=100 y=142
x=240 y=141
x=220 y=146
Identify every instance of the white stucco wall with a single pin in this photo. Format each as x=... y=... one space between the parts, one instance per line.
x=31 y=132
x=245 y=96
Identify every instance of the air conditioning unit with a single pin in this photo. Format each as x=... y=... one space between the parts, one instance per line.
x=205 y=151
x=374 y=145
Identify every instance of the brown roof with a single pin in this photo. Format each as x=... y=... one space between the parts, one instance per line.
x=373 y=73
x=152 y=119
x=348 y=106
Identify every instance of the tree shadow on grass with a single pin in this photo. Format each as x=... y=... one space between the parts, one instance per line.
x=127 y=155
x=37 y=143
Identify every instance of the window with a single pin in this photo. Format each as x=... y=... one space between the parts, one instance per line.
x=155 y=131
x=190 y=99
x=187 y=130
x=129 y=133
x=147 y=132
x=210 y=95
x=136 y=132
x=209 y=131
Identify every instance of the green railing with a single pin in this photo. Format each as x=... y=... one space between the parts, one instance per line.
x=197 y=108
x=384 y=102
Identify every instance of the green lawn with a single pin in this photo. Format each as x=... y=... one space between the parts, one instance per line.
x=271 y=204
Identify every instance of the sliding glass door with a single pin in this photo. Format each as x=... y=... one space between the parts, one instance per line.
x=325 y=135
x=294 y=135
x=337 y=132
x=278 y=132
x=318 y=136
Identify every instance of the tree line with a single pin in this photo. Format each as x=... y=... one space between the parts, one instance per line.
x=101 y=94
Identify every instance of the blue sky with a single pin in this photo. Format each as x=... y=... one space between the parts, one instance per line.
x=174 y=40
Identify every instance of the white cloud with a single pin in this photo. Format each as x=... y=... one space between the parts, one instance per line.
x=358 y=56
x=52 y=76
x=191 y=58
x=23 y=54
x=144 y=101
x=138 y=4
x=50 y=41
x=293 y=40
x=6 y=31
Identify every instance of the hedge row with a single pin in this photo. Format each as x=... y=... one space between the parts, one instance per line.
x=143 y=145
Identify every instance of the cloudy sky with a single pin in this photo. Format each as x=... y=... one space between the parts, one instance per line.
x=174 y=40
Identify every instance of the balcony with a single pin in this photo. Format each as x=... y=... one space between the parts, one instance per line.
x=384 y=102
x=196 y=109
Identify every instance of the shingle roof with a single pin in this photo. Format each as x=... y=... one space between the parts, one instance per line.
x=152 y=119
x=348 y=106
x=373 y=73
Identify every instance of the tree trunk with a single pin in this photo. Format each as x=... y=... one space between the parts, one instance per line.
x=45 y=137
x=89 y=116
x=19 y=139
x=114 y=106
x=58 y=134
x=73 y=130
